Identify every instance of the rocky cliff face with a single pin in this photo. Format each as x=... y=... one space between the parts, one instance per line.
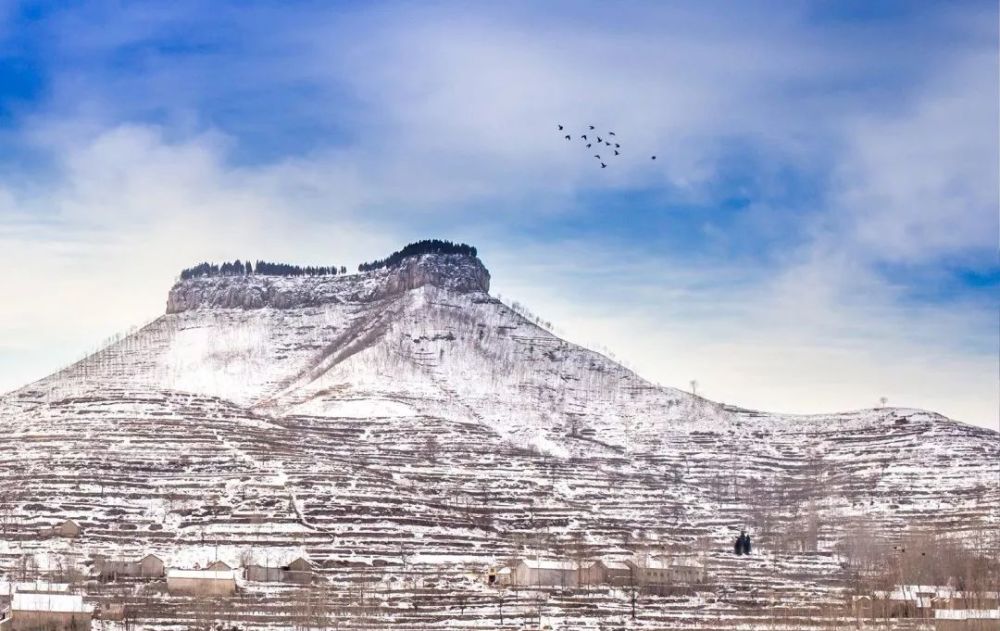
x=454 y=272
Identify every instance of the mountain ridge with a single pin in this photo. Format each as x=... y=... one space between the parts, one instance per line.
x=350 y=417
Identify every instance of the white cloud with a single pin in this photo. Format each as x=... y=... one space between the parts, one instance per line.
x=95 y=251
x=447 y=120
x=807 y=339
x=923 y=183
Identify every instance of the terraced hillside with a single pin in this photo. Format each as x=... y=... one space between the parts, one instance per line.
x=404 y=431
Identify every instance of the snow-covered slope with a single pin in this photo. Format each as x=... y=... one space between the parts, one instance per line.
x=406 y=418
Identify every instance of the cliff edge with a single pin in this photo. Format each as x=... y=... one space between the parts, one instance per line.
x=461 y=273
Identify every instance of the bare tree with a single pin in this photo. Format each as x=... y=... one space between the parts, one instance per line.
x=9 y=500
x=501 y=598
x=310 y=609
x=579 y=552
x=636 y=582
x=431 y=449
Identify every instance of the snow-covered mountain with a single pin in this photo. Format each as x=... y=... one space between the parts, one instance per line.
x=403 y=419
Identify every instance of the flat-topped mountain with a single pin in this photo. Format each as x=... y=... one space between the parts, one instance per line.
x=402 y=422
x=454 y=272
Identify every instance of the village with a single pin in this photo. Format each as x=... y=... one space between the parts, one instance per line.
x=61 y=601
x=44 y=603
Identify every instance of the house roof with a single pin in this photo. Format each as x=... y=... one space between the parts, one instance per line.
x=547 y=564
x=276 y=557
x=612 y=565
x=919 y=594
x=129 y=560
x=967 y=614
x=665 y=563
x=59 y=603
x=283 y=566
x=41 y=586
x=212 y=575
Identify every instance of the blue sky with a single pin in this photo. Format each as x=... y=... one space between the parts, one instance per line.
x=820 y=227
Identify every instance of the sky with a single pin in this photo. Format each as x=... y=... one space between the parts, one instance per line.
x=819 y=229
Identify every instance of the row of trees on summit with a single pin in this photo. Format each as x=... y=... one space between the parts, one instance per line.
x=427 y=246
x=263 y=268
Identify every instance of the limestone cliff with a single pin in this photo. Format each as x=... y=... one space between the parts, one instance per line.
x=454 y=272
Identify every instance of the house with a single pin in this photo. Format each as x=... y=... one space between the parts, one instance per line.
x=50 y=611
x=905 y=601
x=201 y=582
x=299 y=570
x=968 y=600
x=967 y=620
x=218 y=566
x=545 y=573
x=686 y=569
x=662 y=573
x=498 y=576
x=504 y=577
x=299 y=565
x=68 y=529
x=603 y=572
x=948 y=607
x=263 y=574
x=916 y=601
x=149 y=566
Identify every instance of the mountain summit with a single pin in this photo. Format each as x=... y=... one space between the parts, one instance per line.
x=402 y=420
x=461 y=273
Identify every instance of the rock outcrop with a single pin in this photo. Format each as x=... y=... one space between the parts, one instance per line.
x=454 y=272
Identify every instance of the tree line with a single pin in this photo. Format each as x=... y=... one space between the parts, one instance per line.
x=427 y=246
x=266 y=268
x=262 y=268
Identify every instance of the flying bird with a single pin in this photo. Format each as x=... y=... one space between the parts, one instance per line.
x=599 y=139
x=588 y=145
x=604 y=166
x=617 y=146
x=616 y=152
x=560 y=127
x=611 y=133
x=653 y=158
x=567 y=137
x=584 y=136
x=591 y=126
x=607 y=143
x=597 y=155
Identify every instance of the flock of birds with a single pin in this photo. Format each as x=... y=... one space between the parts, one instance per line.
x=609 y=143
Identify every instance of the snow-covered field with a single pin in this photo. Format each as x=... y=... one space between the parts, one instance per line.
x=407 y=434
